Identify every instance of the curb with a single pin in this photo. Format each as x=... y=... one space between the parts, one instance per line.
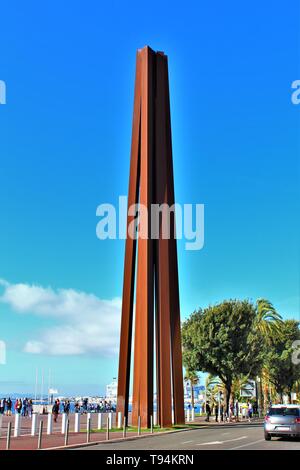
x=132 y=438
x=119 y=439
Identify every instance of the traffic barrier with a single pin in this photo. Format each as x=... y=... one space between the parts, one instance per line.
x=124 y=427
x=63 y=423
x=88 y=429
x=77 y=422
x=99 y=424
x=110 y=418
x=119 y=420
x=67 y=432
x=34 y=424
x=40 y=434
x=8 y=436
x=49 y=423
x=17 y=428
x=107 y=428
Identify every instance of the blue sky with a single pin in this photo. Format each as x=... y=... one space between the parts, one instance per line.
x=64 y=149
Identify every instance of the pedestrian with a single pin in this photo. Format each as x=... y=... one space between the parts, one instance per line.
x=216 y=413
x=208 y=411
x=18 y=405
x=250 y=411
x=222 y=412
x=77 y=407
x=67 y=407
x=24 y=407
x=231 y=411
x=8 y=407
x=237 y=410
x=30 y=408
x=55 y=410
x=2 y=406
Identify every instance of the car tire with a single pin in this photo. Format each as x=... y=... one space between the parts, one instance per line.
x=267 y=436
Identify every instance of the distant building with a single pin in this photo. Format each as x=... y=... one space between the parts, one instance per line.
x=112 y=390
x=199 y=390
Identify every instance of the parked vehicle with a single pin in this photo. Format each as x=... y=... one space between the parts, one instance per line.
x=282 y=420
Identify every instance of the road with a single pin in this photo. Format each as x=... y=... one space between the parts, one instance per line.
x=224 y=437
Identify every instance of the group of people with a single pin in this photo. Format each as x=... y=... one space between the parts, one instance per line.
x=5 y=406
x=81 y=407
x=234 y=411
x=23 y=407
x=102 y=407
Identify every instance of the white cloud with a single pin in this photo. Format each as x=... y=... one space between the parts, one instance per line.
x=85 y=323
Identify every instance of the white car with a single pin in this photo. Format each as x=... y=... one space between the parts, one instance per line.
x=282 y=420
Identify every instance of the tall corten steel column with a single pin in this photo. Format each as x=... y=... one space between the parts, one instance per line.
x=157 y=311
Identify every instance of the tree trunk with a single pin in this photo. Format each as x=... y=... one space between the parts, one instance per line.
x=261 y=404
x=192 y=395
x=228 y=394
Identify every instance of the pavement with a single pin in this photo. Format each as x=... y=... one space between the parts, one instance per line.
x=201 y=436
x=246 y=436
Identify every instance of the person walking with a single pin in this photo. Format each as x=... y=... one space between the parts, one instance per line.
x=18 y=405
x=250 y=411
x=67 y=407
x=29 y=408
x=208 y=411
x=55 y=410
x=2 y=406
x=8 y=407
x=237 y=410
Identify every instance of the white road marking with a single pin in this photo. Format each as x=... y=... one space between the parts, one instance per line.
x=247 y=445
x=186 y=442
x=221 y=442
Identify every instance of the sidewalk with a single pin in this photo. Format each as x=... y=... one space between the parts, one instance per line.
x=57 y=439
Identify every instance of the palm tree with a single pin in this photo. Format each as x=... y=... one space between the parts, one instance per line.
x=191 y=377
x=268 y=321
x=268 y=324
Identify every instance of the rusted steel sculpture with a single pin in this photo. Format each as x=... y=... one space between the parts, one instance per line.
x=151 y=182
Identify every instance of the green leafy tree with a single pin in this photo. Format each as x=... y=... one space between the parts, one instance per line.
x=282 y=372
x=222 y=341
x=268 y=325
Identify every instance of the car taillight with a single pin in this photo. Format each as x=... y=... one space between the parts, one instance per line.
x=267 y=419
x=297 y=420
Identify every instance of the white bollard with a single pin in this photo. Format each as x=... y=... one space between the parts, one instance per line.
x=64 y=423
x=77 y=422
x=88 y=416
x=193 y=414
x=49 y=423
x=119 y=420
x=173 y=418
x=110 y=418
x=99 y=424
x=188 y=418
x=154 y=418
x=17 y=429
x=34 y=424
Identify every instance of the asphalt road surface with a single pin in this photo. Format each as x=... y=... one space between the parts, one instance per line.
x=225 y=437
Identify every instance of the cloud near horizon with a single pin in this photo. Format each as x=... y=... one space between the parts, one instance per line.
x=85 y=323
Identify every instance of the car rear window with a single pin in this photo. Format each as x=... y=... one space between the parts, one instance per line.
x=283 y=412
